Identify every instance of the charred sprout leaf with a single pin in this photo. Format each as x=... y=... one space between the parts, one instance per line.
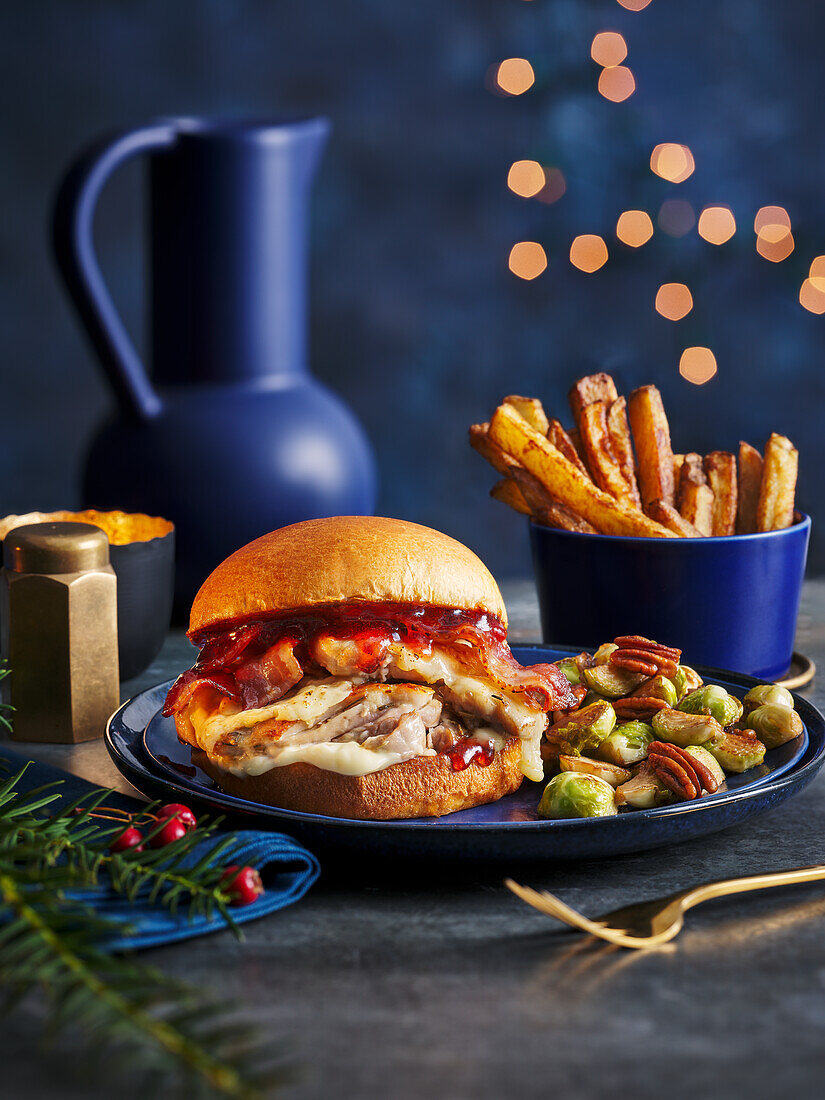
x=573 y=794
x=570 y=669
x=610 y=773
x=775 y=724
x=706 y=757
x=602 y=654
x=714 y=700
x=627 y=744
x=644 y=791
x=611 y=683
x=683 y=729
x=767 y=693
x=658 y=687
x=583 y=730
x=686 y=680
x=737 y=750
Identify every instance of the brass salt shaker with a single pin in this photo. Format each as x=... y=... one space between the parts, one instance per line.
x=59 y=619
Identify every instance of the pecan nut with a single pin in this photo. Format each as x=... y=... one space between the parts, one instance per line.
x=639 y=707
x=638 y=654
x=681 y=773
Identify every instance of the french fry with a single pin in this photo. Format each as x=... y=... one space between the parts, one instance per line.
x=695 y=497
x=593 y=387
x=560 y=439
x=651 y=435
x=667 y=515
x=619 y=431
x=776 y=496
x=750 y=481
x=677 y=470
x=565 y=482
x=544 y=507
x=509 y=493
x=532 y=410
x=720 y=468
x=601 y=460
x=481 y=442
x=576 y=440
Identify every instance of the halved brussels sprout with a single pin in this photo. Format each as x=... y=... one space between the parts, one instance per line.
x=602 y=654
x=627 y=744
x=584 y=729
x=570 y=669
x=610 y=773
x=714 y=700
x=644 y=791
x=706 y=757
x=612 y=683
x=686 y=680
x=767 y=693
x=737 y=750
x=657 y=687
x=680 y=728
x=572 y=794
x=775 y=724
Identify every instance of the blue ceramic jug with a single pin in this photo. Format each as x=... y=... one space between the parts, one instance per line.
x=231 y=437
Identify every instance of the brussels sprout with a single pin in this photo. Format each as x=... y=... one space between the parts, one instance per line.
x=714 y=700
x=775 y=724
x=737 y=750
x=657 y=687
x=612 y=683
x=570 y=669
x=627 y=744
x=767 y=693
x=572 y=794
x=602 y=654
x=680 y=728
x=584 y=729
x=610 y=773
x=686 y=680
x=644 y=791
x=706 y=757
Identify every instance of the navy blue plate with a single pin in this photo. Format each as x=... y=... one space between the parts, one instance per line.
x=145 y=749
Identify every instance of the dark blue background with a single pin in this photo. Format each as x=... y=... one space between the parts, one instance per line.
x=415 y=319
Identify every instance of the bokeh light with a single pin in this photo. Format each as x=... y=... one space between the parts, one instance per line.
x=588 y=253
x=634 y=5
x=674 y=301
x=717 y=224
x=812 y=294
x=608 y=48
x=676 y=217
x=672 y=162
x=554 y=185
x=775 y=243
x=527 y=259
x=515 y=75
x=817 y=268
x=771 y=215
x=697 y=365
x=526 y=178
x=617 y=83
x=634 y=228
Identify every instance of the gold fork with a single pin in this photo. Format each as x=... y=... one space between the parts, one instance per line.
x=652 y=923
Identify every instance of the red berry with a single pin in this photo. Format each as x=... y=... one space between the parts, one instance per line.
x=171 y=831
x=180 y=812
x=242 y=884
x=130 y=838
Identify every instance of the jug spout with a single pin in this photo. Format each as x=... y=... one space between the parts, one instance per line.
x=228 y=248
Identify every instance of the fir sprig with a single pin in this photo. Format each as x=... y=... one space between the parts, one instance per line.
x=5 y=708
x=50 y=942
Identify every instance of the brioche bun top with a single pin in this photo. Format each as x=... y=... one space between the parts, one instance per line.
x=342 y=559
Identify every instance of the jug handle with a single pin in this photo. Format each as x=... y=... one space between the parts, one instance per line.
x=72 y=240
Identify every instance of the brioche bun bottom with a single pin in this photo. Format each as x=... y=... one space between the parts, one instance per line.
x=425 y=786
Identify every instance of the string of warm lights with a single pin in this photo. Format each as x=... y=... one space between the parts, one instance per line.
x=676 y=217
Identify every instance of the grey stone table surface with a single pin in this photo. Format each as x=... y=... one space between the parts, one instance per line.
x=408 y=981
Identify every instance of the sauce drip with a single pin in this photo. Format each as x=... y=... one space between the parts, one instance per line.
x=467 y=751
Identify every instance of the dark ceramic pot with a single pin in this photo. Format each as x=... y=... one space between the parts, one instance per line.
x=729 y=602
x=145 y=590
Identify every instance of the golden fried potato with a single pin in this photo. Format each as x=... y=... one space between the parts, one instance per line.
x=651 y=436
x=561 y=439
x=619 y=431
x=720 y=469
x=667 y=515
x=593 y=387
x=695 y=496
x=531 y=409
x=507 y=492
x=601 y=460
x=750 y=482
x=776 y=497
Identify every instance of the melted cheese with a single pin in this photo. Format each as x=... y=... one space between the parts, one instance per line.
x=344 y=757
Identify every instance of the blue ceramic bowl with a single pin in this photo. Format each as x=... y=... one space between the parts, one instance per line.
x=727 y=602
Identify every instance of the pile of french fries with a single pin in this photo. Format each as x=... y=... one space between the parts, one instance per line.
x=615 y=473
